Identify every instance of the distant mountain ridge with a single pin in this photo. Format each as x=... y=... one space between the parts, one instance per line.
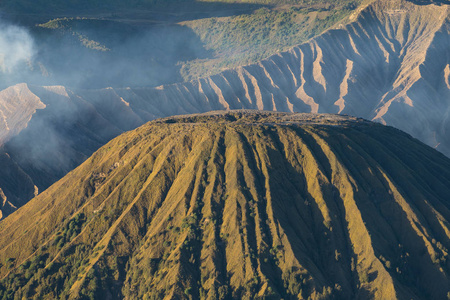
x=391 y=65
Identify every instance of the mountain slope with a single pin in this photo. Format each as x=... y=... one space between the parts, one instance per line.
x=239 y=204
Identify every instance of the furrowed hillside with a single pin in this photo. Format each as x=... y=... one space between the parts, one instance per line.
x=239 y=204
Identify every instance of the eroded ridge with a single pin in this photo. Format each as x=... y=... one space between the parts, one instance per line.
x=239 y=204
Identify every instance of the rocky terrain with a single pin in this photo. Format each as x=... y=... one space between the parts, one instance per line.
x=239 y=204
x=391 y=64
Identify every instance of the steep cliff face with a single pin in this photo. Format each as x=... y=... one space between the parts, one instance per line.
x=239 y=204
x=17 y=106
x=391 y=64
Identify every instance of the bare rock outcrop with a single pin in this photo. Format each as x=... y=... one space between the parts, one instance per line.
x=17 y=106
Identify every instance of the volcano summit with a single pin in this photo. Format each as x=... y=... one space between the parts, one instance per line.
x=239 y=204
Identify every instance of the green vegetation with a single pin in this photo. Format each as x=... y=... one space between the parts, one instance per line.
x=248 y=38
x=35 y=276
x=74 y=26
x=80 y=28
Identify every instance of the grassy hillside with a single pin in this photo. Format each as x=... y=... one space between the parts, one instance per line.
x=99 y=44
x=248 y=38
x=239 y=205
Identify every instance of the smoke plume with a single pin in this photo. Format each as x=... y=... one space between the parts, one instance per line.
x=16 y=47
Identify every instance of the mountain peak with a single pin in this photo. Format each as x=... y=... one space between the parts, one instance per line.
x=248 y=116
x=235 y=204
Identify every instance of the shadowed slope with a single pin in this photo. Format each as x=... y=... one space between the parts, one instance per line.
x=239 y=204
